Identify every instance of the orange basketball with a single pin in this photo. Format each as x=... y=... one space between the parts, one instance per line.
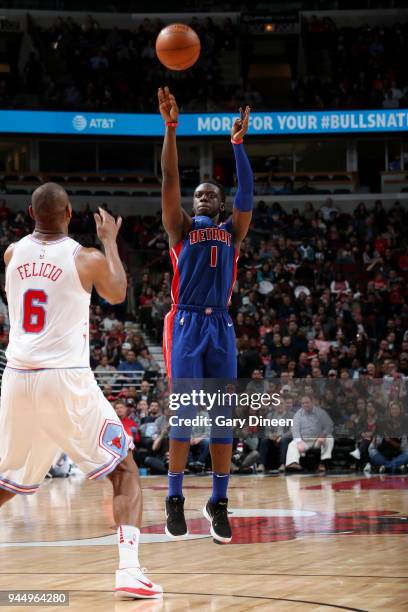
x=178 y=46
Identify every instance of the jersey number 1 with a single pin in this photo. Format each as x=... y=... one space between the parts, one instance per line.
x=33 y=312
x=214 y=254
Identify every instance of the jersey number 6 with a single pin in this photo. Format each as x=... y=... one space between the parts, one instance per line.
x=33 y=312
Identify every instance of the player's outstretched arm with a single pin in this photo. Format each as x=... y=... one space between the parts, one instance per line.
x=175 y=220
x=244 y=198
x=105 y=272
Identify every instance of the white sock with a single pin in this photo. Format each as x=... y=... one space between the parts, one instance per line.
x=128 y=544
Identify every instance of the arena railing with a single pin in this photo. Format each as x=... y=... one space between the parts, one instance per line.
x=118 y=380
x=3 y=362
x=148 y=185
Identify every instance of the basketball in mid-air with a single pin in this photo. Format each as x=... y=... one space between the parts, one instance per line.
x=178 y=46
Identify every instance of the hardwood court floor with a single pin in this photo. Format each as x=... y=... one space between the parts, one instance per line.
x=300 y=543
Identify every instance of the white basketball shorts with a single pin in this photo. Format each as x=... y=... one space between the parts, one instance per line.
x=44 y=411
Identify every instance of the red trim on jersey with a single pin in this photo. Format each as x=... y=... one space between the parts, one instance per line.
x=167 y=340
x=169 y=319
x=224 y=222
x=175 y=284
x=234 y=275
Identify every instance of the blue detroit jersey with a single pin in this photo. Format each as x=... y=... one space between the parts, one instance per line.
x=204 y=264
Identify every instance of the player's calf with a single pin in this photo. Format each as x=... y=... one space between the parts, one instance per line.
x=127 y=510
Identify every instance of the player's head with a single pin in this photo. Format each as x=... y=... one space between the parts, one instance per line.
x=209 y=200
x=50 y=208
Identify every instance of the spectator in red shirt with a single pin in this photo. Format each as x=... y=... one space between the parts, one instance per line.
x=129 y=424
x=117 y=332
x=381 y=244
x=379 y=282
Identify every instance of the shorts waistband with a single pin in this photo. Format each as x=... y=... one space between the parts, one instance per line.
x=208 y=310
x=15 y=369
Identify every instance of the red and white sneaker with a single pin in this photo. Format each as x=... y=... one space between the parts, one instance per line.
x=133 y=584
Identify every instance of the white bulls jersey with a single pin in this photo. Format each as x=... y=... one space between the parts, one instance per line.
x=48 y=307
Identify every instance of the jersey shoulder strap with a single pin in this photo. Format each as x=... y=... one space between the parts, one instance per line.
x=227 y=225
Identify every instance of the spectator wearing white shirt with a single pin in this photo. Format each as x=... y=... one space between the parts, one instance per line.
x=110 y=321
x=328 y=209
x=340 y=285
x=104 y=371
x=312 y=428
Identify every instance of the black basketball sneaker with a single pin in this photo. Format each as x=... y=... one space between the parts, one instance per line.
x=176 y=526
x=217 y=515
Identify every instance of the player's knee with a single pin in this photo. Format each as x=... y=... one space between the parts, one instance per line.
x=126 y=467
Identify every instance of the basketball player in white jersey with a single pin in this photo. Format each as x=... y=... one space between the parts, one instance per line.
x=49 y=398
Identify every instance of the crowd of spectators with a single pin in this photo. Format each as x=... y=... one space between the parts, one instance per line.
x=80 y=65
x=352 y=67
x=321 y=299
x=87 y=67
x=320 y=294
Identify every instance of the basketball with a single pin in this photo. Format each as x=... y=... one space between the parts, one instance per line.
x=178 y=46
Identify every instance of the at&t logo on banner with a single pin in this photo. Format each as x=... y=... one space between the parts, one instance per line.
x=80 y=123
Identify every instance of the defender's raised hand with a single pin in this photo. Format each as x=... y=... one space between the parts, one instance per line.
x=167 y=105
x=240 y=127
x=107 y=227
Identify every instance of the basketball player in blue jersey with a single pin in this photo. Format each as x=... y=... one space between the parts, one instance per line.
x=199 y=339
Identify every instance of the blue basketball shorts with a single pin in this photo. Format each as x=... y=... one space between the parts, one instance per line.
x=199 y=347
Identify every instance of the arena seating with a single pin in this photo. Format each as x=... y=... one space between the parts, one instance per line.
x=335 y=291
